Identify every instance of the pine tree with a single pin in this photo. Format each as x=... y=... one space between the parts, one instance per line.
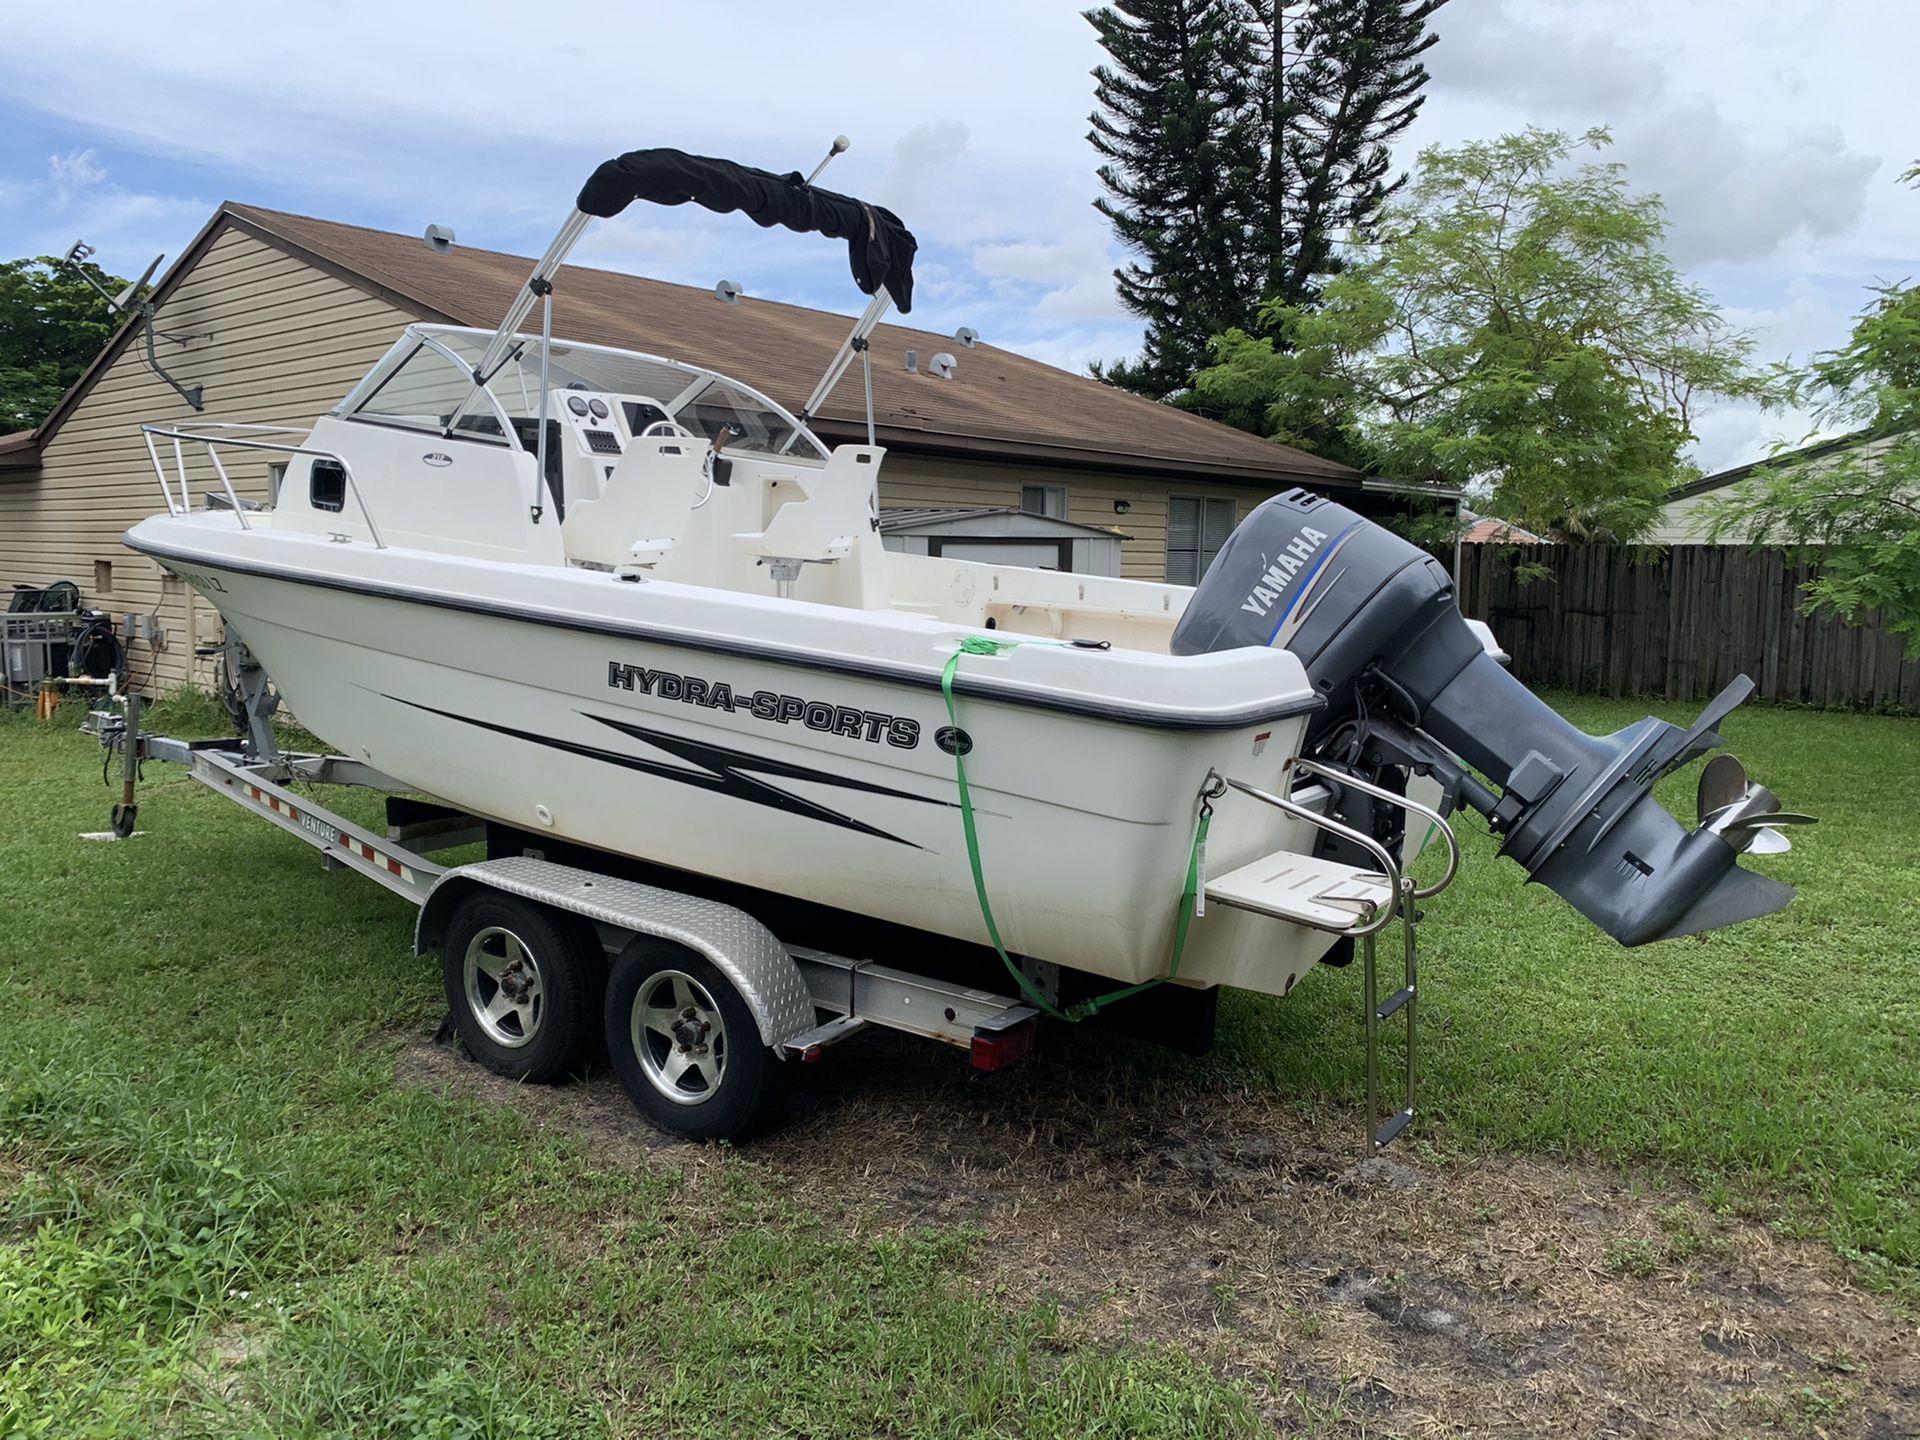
x=1178 y=131
x=1242 y=145
x=1343 y=81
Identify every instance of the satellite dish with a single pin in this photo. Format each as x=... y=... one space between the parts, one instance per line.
x=967 y=336
x=128 y=296
x=727 y=292
x=128 y=300
x=439 y=239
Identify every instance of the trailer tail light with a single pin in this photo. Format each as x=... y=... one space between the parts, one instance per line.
x=999 y=1049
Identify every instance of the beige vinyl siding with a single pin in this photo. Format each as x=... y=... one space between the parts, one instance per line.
x=923 y=480
x=277 y=341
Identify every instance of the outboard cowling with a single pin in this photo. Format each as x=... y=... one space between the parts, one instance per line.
x=1411 y=689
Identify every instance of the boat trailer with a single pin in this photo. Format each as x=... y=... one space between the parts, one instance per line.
x=695 y=973
x=684 y=985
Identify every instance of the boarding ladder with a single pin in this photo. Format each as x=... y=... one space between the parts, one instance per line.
x=1341 y=900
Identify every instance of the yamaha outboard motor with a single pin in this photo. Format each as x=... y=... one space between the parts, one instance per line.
x=1411 y=689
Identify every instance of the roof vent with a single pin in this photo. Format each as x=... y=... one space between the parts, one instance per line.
x=943 y=365
x=967 y=336
x=913 y=360
x=727 y=292
x=439 y=239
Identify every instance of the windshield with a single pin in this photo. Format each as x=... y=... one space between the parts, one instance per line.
x=416 y=385
x=720 y=405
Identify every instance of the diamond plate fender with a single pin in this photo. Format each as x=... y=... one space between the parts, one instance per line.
x=743 y=949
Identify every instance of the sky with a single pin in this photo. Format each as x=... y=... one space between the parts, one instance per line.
x=1773 y=130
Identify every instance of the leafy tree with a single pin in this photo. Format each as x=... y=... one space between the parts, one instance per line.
x=1177 y=129
x=1241 y=139
x=1517 y=330
x=51 y=326
x=1855 y=512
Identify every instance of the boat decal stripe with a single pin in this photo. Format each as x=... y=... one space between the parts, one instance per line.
x=722 y=772
x=997 y=691
x=718 y=757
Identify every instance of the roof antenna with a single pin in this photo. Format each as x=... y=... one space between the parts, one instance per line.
x=130 y=302
x=840 y=143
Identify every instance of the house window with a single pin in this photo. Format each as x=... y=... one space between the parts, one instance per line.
x=1197 y=526
x=1047 y=500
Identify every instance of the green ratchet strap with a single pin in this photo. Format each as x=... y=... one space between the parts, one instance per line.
x=979 y=645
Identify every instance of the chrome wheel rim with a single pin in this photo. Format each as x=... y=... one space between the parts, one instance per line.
x=679 y=1037
x=506 y=992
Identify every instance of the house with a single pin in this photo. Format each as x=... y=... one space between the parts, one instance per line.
x=1002 y=535
x=277 y=316
x=1489 y=530
x=1685 y=515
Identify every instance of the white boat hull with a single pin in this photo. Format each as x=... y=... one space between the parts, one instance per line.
x=694 y=729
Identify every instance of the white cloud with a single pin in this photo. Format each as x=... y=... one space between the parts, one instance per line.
x=919 y=157
x=1738 y=184
x=1073 y=277
x=1730 y=197
x=75 y=171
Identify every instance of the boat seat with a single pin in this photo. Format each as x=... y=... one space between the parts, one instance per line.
x=643 y=508
x=804 y=530
x=825 y=526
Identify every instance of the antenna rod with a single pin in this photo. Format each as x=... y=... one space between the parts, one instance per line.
x=840 y=143
x=75 y=260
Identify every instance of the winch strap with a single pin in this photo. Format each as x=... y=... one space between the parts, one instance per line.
x=979 y=645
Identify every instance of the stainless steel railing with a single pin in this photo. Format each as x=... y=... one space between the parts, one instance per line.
x=1304 y=766
x=1378 y=916
x=179 y=438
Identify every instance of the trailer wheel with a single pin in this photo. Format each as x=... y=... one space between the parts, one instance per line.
x=685 y=1045
x=522 y=982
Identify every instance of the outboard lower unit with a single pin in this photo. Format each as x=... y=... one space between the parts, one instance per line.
x=1410 y=689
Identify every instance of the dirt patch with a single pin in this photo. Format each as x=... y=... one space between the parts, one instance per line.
x=1411 y=1295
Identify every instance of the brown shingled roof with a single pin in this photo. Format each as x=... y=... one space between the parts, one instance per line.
x=1000 y=404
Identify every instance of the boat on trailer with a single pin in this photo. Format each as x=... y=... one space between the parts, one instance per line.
x=626 y=605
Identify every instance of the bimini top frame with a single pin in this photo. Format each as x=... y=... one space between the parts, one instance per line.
x=879 y=248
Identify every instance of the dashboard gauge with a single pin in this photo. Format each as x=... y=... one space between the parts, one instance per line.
x=578 y=405
x=599 y=409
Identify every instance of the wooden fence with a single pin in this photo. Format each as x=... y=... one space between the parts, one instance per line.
x=1678 y=623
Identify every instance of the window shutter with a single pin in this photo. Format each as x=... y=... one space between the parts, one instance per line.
x=1183 y=540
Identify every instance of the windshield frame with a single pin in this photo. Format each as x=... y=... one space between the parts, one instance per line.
x=804 y=448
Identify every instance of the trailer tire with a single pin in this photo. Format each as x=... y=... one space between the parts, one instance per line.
x=522 y=984
x=685 y=1044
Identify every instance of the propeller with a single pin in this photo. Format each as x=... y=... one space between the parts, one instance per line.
x=1742 y=813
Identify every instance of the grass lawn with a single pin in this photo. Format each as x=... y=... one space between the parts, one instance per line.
x=1776 y=1063
x=222 y=1216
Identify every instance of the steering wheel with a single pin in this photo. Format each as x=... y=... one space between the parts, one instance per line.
x=666 y=427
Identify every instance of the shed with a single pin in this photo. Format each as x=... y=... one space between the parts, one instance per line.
x=1002 y=535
